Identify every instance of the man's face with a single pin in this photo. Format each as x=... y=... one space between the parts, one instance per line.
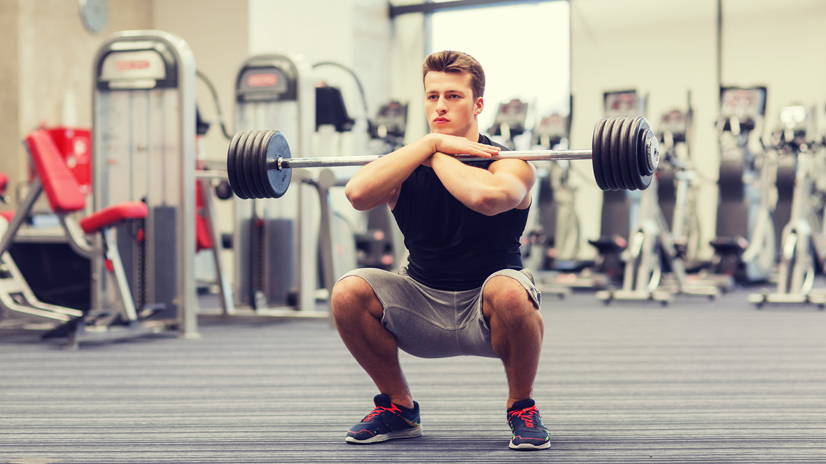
x=449 y=103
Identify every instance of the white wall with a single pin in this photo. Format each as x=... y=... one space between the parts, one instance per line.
x=408 y=45
x=216 y=31
x=46 y=57
x=778 y=44
x=223 y=34
x=355 y=33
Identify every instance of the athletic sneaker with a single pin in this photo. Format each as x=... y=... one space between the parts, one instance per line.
x=527 y=428
x=387 y=421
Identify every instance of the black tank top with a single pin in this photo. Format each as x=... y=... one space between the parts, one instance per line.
x=451 y=246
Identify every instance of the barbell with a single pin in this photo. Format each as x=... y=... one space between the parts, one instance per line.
x=624 y=154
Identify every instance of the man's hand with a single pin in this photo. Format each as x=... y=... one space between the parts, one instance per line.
x=453 y=145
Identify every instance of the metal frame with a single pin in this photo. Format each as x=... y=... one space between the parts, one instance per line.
x=15 y=283
x=186 y=300
x=430 y=7
x=525 y=155
x=301 y=207
x=643 y=270
x=796 y=274
x=759 y=255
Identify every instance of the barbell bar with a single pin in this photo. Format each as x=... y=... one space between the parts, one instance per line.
x=624 y=155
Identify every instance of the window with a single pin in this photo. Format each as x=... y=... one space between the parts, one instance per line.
x=524 y=49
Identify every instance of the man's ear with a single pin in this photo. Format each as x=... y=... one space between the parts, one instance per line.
x=478 y=106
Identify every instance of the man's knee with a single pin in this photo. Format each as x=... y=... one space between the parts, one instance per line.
x=508 y=299
x=353 y=296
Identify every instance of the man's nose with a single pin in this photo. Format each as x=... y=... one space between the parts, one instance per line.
x=441 y=106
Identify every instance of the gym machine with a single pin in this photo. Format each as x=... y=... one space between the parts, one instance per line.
x=382 y=246
x=745 y=245
x=389 y=126
x=552 y=236
x=618 y=208
x=509 y=122
x=207 y=236
x=652 y=250
x=680 y=183
x=801 y=258
x=144 y=150
x=41 y=240
x=123 y=319
x=280 y=91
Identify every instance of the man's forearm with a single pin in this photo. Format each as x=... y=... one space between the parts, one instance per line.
x=478 y=189
x=374 y=183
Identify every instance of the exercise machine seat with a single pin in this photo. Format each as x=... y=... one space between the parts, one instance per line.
x=64 y=192
x=60 y=185
x=112 y=214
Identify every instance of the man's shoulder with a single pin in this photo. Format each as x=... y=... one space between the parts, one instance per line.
x=484 y=138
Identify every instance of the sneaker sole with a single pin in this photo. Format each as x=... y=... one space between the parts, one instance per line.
x=409 y=433
x=529 y=446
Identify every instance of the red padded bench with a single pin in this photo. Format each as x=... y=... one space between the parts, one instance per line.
x=64 y=192
x=66 y=196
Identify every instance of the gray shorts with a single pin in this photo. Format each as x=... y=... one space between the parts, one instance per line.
x=432 y=323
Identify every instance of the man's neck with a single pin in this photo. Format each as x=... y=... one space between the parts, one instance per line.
x=473 y=132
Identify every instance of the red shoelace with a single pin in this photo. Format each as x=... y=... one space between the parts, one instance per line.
x=525 y=414
x=380 y=409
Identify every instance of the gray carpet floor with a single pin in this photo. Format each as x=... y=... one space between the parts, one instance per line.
x=695 y=382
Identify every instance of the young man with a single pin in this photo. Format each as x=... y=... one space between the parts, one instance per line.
x=462 y=292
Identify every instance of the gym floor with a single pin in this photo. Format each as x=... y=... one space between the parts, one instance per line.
x=627 y=383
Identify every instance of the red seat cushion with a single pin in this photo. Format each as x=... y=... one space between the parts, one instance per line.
x=9 y=215
x=61 y=187
x=4 y=182
x=112 y=214
x=202 y=239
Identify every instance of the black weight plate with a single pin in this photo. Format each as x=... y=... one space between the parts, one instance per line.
x=596 y=155
x=260 y=159
x=607 y=155
x=241 y=155
x=648 y=137
x=648 y=165
x=620 y=152
x=644 y=163
x=236 y=154
x=231 y=173
x=607 y=163
x=261 y=163
x=605 y=168
x=248 y=162
x=622 y=172
x=279 y=179
x=242 y=165
x=255 y=163
x=245 y=164
x=635 y=149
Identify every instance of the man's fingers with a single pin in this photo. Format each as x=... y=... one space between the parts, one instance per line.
x=488 y=148
x=477 y=152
